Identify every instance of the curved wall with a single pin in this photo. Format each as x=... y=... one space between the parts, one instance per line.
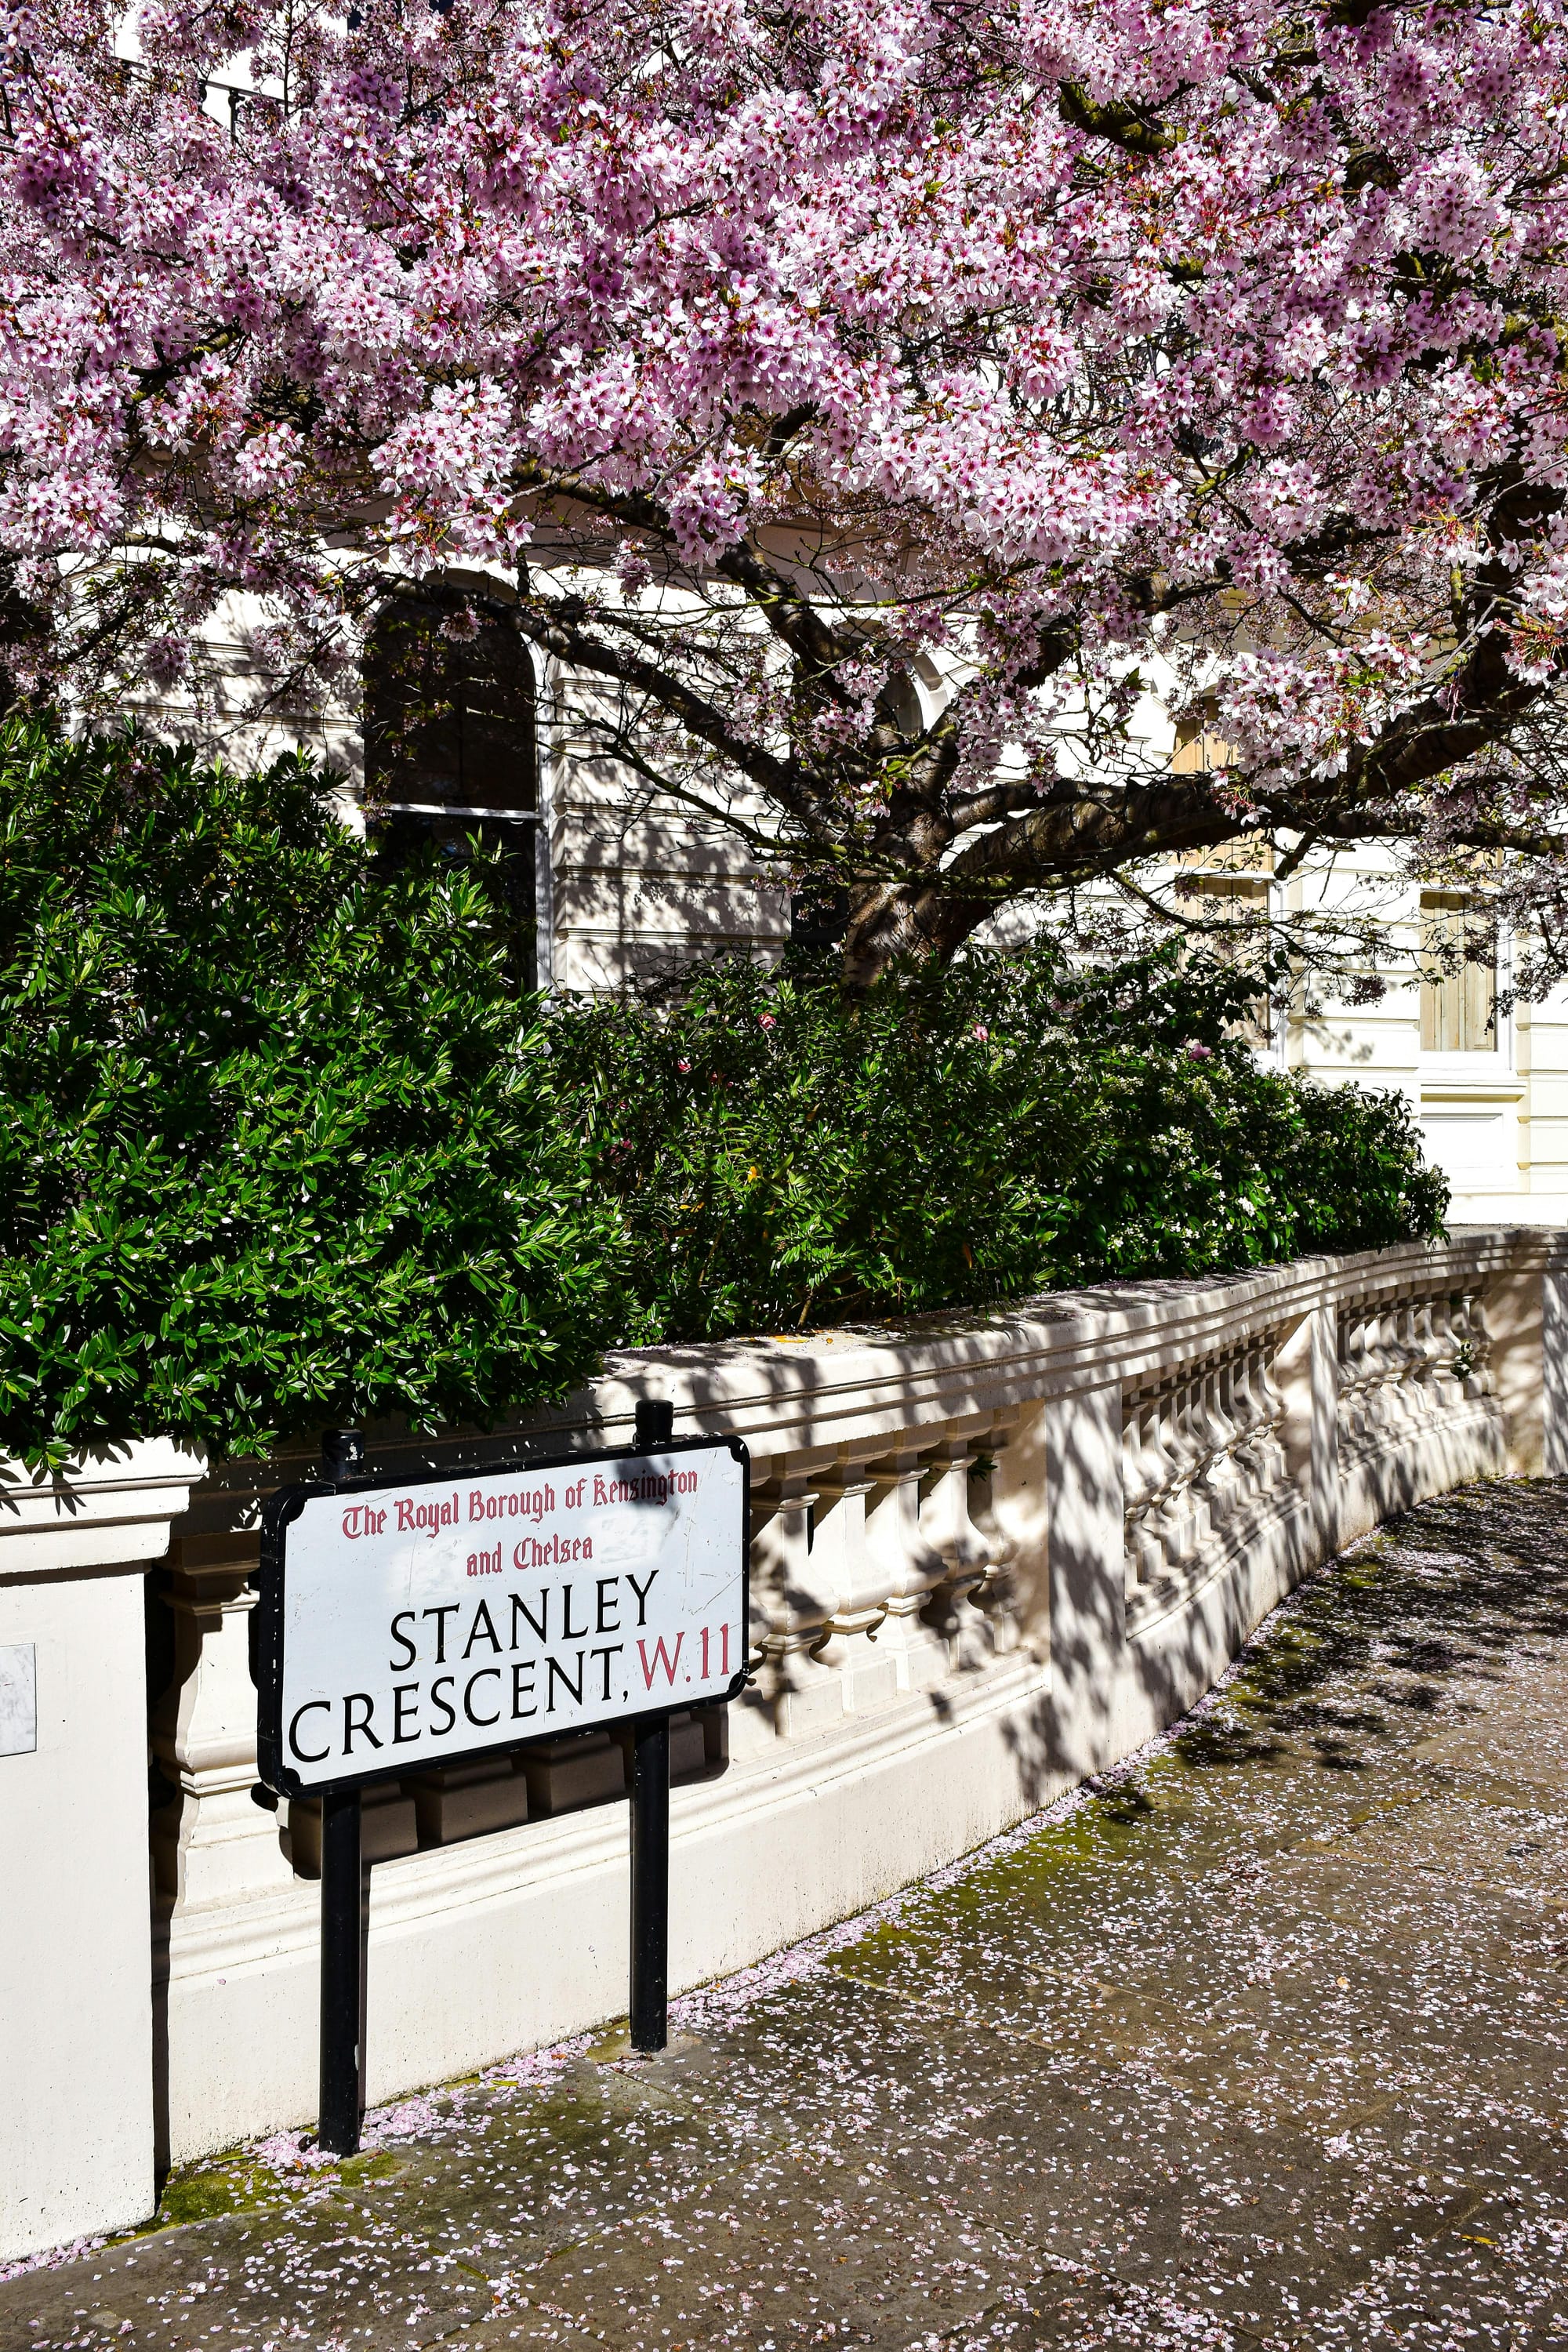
x=991 y=1555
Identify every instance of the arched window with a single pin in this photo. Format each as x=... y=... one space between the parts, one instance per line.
x=451 y=746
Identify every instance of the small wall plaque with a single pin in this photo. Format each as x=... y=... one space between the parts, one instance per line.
x=18 y=1699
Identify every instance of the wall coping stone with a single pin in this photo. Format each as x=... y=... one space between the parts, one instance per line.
x=111 y=1508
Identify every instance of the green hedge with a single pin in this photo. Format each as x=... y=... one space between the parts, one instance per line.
x=964 y=1135
x=279 y=1146
x=276 y=1148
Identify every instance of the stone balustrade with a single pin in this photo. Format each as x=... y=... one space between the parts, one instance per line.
x=1405 y=1362
x=1203 y=1471
x=990 y=1554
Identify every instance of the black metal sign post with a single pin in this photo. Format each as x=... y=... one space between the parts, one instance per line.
x=649 y=2002
x=340 y=2108
x=603 y=1516
x=650 y=1883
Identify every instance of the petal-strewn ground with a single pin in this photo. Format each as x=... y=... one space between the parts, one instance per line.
x=1264 y=2043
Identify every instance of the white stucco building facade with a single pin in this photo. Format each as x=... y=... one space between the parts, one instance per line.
x=1489 y=1084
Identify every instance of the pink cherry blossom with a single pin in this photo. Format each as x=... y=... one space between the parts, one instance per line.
x=1026 y=348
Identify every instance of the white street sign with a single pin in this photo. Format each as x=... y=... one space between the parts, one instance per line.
x=415 y=1624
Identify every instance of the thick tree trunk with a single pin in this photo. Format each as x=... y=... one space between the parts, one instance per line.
x=892 y=919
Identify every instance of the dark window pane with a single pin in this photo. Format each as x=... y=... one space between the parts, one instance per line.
x=448 y=710
x=450 y=727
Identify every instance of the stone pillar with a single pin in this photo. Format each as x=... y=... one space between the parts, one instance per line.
x=76 y=2056
x=1088 y=1596
x=211 y=1843
x=1514 y=1309
x=1555 y=1373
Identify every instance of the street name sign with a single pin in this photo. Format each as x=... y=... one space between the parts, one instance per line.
x=405 y=1626
x=446 y=1618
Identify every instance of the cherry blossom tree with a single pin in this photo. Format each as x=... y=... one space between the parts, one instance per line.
x=861 y=402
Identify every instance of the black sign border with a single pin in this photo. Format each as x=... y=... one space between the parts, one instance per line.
x=266 y=1616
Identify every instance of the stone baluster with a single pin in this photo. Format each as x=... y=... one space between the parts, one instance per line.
x=1241 y=1413
x=1158 y=1472
x=1354 y=1372
x=1368 y=1380
x=1398 y=1414
x=1171 y=1517
x=1413 y=1347
x=855 y=1574
x=1444 y=1347
x=1191 y=1436
x=1402 y=1362
x=1427 y=1347
x=1268 y=1410
x=1245 y=1414
x=948 y=1528
x=766 y=1544
x=1140 y=1474
x=1271 y=1451
x=1344 y=1377
x=1482 y=1330
x=910 y=1567
x=994 y=1595
x=1446 y=1381
x=1222 y=1477
x=787 y=1594
x=1215 y=1421
x=1480 y=1341
x=1389 y=1418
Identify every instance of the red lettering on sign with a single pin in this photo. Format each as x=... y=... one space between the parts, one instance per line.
x=425 y=1518
x=661 y=1658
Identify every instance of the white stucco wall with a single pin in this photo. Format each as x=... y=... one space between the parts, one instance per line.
x=77 y=2107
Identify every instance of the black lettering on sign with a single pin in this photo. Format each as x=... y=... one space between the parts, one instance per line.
x=553 y=1669
x=642 y=1591
x=485 y=1674
x=520 y=1608
x=306 y=1755
x=612 y=1650
x=350 y=1700
x=483 y=1629
x=441 y=1612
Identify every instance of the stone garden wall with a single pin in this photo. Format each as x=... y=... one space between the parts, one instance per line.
x=991 y=1555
